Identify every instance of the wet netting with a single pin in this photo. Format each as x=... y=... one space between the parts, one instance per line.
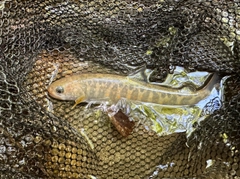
x=41 y=41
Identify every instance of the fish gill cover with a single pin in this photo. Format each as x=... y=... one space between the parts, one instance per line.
x=41 y=41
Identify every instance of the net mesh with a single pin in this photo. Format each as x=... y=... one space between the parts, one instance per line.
x=41 y=41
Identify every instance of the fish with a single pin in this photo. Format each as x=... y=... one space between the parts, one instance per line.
x=101 y=88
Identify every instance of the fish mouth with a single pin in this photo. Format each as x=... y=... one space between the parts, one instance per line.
x=52 y=93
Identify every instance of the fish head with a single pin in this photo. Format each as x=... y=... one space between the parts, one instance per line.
x=65 y=89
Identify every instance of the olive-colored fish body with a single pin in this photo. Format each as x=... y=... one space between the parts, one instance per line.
x=111 y=88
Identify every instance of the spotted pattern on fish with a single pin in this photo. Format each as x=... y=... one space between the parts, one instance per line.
x=155 y=97
x=100 y=87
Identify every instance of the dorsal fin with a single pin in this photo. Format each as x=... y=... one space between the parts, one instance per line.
x=142 y=74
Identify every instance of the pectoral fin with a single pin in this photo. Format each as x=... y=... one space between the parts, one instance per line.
x=78 y=100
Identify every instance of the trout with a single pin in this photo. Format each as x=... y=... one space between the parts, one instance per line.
x=110 y=88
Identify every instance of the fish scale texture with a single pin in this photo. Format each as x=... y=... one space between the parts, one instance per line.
x=41 y=41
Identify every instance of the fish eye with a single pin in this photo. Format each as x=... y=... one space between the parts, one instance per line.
x=59 y=89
